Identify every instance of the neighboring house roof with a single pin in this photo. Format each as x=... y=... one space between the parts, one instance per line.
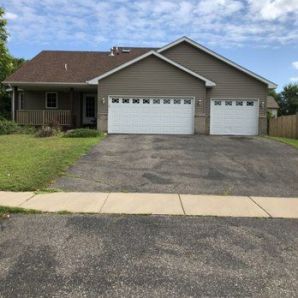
x=50 y=66
x=95 y=80
x=270 y=84
x=271 y=103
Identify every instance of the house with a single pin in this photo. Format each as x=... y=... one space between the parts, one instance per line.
x=272 y=106
x=181 y=88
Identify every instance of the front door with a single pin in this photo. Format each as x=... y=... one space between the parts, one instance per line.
x=89 y=109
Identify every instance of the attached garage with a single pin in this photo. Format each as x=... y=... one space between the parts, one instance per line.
x=151 y=115
x=234 y=117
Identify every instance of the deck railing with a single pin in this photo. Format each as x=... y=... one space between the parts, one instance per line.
x=43 y=117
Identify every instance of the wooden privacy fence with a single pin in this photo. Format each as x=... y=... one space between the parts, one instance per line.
x=284 y=126
x=43 y=117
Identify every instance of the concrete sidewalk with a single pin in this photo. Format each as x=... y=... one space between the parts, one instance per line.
x=145 y=203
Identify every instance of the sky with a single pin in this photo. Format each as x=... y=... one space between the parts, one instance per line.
x=261 y=35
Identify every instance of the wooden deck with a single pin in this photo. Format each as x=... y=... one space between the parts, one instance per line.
x=43 y=117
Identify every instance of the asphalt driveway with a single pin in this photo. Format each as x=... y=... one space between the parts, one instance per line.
x=147 y=256
x=186 y=164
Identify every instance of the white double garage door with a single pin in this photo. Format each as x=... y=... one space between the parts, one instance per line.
x=175 y=115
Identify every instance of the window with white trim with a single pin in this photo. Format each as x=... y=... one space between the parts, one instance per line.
x=156 y=101
x=239 y=103
x=187 y=101
x=51 y=100
x=125 y=100
x=228 y=102
x=177 y=101
x=217 y=102
x=21 y=100
x=146 y=101
x=166 y=101
x=250 y=103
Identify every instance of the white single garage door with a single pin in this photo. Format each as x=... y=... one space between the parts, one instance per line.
x=234 y=117
x=151 y=115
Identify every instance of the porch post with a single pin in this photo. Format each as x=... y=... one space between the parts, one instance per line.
x=72 y=116
x=13 y=103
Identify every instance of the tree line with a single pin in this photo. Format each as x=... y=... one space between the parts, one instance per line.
x=287 y=99
x=8 y=64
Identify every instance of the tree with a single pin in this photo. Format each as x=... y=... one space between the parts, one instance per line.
x=8 y=65
x=288 y=99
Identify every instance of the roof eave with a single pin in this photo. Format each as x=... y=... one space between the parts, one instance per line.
x=22 y=83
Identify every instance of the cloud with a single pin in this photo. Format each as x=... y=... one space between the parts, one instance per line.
x=295 y=64
x=10 y=16
x=226 y=23
x=273 y=9
x=294 y=79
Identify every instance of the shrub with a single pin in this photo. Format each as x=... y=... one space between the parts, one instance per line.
x=26 y=130
x=7 y=127
x=82 y=133
x=47 y=131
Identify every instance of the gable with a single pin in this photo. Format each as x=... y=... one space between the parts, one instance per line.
x=211 y=56
x=229 y=80
x=207 y=82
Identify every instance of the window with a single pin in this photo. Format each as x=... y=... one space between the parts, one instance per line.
x=239 y=103
x=146 y=101
x=51 y=100
x=115 y=100
x=250 y=103
x=187 y=101
x=217 y=103
x=125 y=100
x=156 y=101
x=21 y=101
x=177 y=101
x=166 y=101
x=135 y=100
x=228 y=102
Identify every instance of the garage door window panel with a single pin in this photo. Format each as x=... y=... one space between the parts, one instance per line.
x=115 y=100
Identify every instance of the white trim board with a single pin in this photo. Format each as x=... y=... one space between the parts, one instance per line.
x=94 y=81
x=270 y=84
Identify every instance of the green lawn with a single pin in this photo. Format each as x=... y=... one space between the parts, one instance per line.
x=30 y=163
x=292 y=142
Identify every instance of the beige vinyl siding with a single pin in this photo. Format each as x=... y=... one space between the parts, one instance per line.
x=36 y=100
x=148 y=77
x=230 y=82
